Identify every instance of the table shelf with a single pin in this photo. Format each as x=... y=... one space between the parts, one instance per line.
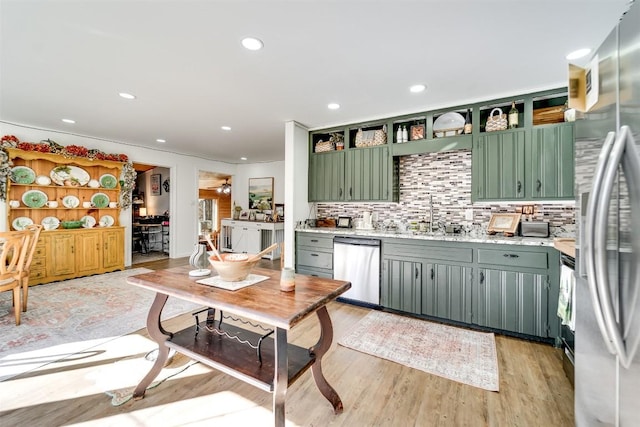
x=237 y=359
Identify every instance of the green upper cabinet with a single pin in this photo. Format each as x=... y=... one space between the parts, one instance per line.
x=350 y=173
x=368 y=174
x=498 y=171
x=552 y=162
x=326 y=177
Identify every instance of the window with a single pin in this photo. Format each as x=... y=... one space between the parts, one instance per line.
x=207 y=216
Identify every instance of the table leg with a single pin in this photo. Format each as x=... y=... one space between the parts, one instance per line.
x=281 y=376
x=321 y=347
x=159 y=335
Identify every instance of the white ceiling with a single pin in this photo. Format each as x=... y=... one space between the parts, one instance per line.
x=184 y=62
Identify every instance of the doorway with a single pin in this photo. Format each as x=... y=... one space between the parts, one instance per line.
x=214 y=203
x=150 y=224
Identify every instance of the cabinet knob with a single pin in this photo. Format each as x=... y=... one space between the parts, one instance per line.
x=511 y=255
x=481 y=277
x=314 y=240
x=519 y=187
x=539 y=185
x=314 y=254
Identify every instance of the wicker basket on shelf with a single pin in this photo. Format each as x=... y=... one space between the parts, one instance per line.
x=322 y=146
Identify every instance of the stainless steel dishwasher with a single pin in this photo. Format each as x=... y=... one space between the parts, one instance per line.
x=358 y=261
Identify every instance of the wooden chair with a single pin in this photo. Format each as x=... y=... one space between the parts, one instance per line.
x=12 y=258
x=34 y=231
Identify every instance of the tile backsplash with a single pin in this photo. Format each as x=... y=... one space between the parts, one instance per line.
x=445 y=178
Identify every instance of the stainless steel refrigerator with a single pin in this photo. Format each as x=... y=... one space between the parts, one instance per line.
x=607 y=328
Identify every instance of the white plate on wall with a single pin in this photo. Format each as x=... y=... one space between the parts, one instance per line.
x=71 y=176
x=447 y=124
x=70 y=202
x=21 y=223
x=50 y=223
x=106 y=221
x=88 y=221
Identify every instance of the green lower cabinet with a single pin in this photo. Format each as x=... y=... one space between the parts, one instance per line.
x=401 y=284
x=512 y=301
x=447 y=292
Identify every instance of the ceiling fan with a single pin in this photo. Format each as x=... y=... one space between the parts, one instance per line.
x=225 y=188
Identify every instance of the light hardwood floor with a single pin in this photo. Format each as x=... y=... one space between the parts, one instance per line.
x=533 y=390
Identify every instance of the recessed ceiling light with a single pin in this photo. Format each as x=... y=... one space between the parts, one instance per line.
x=333 y=106
x=162 y=141
x=68 y=121
x=225 y=127
x=252 y=43
x=127 y=95
x=243 y=158
x=417 y=88
x=576 y=54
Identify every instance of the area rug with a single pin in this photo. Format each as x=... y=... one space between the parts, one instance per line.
x=70 y=316
x=461 y=355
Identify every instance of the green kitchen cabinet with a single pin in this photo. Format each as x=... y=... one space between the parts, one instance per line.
x=517 y=289
x=401 y=284
x=513 y=301
x=327 y=177
x=552 y=162
x=368 y=174
x=447 y=292
x=498 y=166
x=314 y=254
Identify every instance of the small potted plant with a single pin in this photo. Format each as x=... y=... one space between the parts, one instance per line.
x=338 y=140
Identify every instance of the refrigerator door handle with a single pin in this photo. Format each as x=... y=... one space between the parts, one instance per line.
x=614 y=327
x=590 y=265
x=630 y=290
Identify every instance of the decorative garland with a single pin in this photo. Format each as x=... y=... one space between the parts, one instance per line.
x=127 y=177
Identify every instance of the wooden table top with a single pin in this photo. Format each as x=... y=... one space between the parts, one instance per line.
x=263 y=302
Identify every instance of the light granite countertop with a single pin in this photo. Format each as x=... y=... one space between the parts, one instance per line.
x=442 y=237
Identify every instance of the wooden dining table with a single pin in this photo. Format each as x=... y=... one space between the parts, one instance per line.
x=265 y=360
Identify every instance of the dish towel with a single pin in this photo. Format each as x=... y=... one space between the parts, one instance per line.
x=566 y=297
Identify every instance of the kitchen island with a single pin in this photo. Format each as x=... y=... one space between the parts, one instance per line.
x=504 y=284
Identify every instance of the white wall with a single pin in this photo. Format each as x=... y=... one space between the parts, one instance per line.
x=240 y=181
x=183 y=172
x=156 y=205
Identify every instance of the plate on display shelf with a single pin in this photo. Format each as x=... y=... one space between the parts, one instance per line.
x=100 y=200
x=21 y=223
x=50 y=223
x=107 y=221
x=88 y=221
x=108 y=181
x=22 y=175
x=35 y=198
x=70 y=176
x=70 y=202
x=448 y=124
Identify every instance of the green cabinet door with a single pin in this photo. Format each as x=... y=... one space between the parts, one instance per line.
x=498 y=166
x=326 y=177
x=368 y=174
x=401 y=284
x=512 y=301
x=447 y=292
x=552 y=162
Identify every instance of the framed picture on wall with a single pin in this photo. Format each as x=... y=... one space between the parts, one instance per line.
x=156 y=189
x=261 y=193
